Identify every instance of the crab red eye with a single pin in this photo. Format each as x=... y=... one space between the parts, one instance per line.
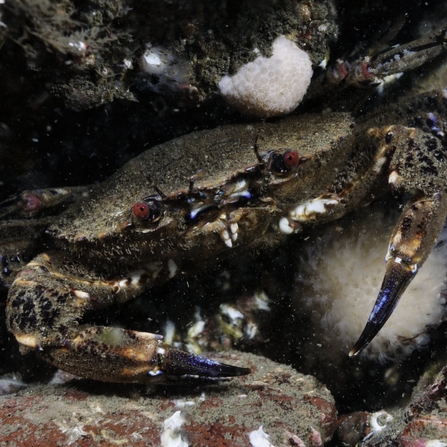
x=31 y=202
x=283 y=163
x=149 y=210
x=141 y=210
x=291 y=159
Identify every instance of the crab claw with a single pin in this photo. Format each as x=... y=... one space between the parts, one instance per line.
x=412 y=241
x=397 y=277
x=180 y=364
x=118 y=355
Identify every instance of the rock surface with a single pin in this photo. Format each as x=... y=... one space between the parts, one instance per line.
x=274 y=405
x=422 y=423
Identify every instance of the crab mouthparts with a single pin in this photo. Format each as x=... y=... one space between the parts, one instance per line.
x=397 y=277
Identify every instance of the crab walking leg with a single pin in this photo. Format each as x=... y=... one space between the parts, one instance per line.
x=30 y=202
x=397 y=59
x=46 y=305
x=411 y=243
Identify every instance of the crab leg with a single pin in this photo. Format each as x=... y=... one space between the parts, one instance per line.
x=31 y=202
x=397 y=59
x=372 y=69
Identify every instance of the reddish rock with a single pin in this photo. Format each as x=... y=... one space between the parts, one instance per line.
x=291 y=408
x=422 y=423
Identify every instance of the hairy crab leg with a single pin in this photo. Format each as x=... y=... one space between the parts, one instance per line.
x=372 y=69
x=397 y=59
x=31 y=202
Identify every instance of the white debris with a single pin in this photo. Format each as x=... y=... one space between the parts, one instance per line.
x=308 y=210
x=169 y=332
x=262 y=301
x=171 y=436
x=172 y=266
x=233 y=314
x=72 y=433
x=379 y=420
x=284 y=226
x=258 y=438
x=435 y=443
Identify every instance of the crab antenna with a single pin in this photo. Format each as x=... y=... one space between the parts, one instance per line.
x=157 y=189
x=256 y=149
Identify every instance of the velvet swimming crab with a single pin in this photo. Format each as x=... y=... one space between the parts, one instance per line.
x=205 y=196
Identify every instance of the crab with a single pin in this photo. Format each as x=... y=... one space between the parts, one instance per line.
x=205 y=196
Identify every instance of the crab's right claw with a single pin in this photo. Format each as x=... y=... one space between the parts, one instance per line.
x=412 y=241
x=397 y=277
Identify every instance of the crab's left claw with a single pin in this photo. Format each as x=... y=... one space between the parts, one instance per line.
x=413 y=238
x=178 y=363
x=118 y=355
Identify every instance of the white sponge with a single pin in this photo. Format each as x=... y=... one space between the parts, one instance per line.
x=271 y=86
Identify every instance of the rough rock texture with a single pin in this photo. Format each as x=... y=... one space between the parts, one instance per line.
x=422 y=423
x=89 y=53
x=291 y=408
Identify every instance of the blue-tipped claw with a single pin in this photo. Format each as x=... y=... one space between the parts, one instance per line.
x=397 y=277
x=179 y=363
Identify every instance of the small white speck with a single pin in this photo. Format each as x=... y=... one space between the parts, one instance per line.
x=284 y=226
x=169 y=331
x=258 y=438
x=152 y=59
x=231 y=312
x=171 y=436
x=172 y=266
x=127 y=63
x=262 y=301
x=435 y=443
x=81 y=294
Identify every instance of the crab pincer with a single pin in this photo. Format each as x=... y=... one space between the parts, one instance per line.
x=133 y=357
x=180 y=363
x=409 y=247
x=419 y=225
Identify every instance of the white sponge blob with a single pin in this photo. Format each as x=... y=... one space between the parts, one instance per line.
x=272 y=86
x=339 y=280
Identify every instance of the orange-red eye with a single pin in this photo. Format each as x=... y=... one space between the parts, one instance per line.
x=141 y=210
x=283 y=163
x=291 y=159
x=150 y=210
